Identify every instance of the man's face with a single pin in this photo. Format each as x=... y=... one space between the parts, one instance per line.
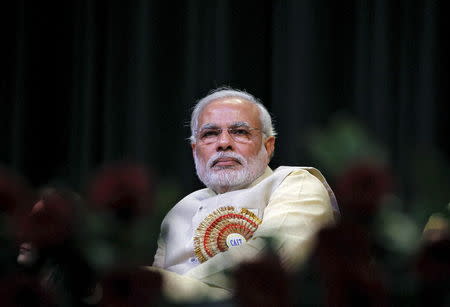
x=234 y=159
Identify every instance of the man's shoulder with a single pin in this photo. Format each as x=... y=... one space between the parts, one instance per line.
x=292 y=176
x=283 y=168
x=312 y=173
x=285 y=171
x=296 y=170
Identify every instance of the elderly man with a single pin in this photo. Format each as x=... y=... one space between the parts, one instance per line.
x=245 y=203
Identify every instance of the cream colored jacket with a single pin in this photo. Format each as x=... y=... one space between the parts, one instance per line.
x=293 y=203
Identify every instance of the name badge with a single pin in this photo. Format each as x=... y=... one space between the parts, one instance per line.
x=224 y=228
x=235 y=239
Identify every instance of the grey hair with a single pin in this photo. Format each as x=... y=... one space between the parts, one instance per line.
x=224 y=92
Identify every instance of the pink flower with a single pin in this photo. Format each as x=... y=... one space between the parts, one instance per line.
x=432 y=267
x=262 y=282
x=433 y=261
x=123 y=189
x=351 y=277
x=50 y=221
x=130 y=287
x=360 y=189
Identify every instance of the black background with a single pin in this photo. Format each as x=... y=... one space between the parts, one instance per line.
x=87 y=82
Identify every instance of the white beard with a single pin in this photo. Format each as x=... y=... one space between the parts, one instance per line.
x=225 y=179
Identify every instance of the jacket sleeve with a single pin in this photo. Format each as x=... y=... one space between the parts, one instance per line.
x=160 y=254
x=296 y=210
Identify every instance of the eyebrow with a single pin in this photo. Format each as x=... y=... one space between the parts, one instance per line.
x=209 y=126
x=240 y=124
x=233 y=125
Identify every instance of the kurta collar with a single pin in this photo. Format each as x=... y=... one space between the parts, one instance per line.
x=267 y=172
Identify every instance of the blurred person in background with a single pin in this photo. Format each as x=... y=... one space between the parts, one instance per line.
x=49 y=251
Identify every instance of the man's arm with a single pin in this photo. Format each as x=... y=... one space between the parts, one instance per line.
x=296 y=210
x=160 y=255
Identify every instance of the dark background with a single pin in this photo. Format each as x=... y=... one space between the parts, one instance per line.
x=84 y=83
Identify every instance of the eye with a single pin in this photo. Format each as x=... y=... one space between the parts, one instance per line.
x=209 y=133
x=240 y=131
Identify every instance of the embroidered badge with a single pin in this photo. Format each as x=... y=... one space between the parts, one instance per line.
x=222 y=229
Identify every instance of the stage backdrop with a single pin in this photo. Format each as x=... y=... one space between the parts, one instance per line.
x=87 y=82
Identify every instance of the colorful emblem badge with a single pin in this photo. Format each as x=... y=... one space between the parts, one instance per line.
x=224 y=228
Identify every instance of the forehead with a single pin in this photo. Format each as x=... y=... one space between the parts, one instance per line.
x=226 y=111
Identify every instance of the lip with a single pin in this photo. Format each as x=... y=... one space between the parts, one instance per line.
x=225 y=162
x=25 y=247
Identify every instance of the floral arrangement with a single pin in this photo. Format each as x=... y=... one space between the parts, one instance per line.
x=388 y=249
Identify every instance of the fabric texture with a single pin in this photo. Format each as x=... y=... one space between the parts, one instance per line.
x=293 y=203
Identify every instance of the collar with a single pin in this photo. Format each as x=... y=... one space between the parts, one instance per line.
x=267 y=172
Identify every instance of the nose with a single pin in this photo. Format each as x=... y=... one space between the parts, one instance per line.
x=224 y=142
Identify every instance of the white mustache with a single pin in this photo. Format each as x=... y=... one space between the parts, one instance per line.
x=220 y=155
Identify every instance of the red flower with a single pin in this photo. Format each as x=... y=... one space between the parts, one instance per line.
x=130 y=287
x=360 y=189
x=433 y=261
x=433 y=271
x=347 y=268
x=51 y=220
x=124 y=189
x=344 y=246
x=262 y=282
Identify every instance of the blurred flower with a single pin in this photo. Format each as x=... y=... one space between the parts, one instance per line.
x=130 y=287
x=344 y=246
x=14 y=193
x=432 y=267
x=360 y=189
x=51 y=220
x=24 y=291
x=433 y=261
x=347 y=268
x=436 y=228
x=262 y=282
x=124 y=189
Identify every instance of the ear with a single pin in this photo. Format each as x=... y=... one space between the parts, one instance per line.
x=193 y=147
x=269 y=144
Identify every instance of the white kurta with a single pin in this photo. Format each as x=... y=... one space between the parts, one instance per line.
x=293 y=203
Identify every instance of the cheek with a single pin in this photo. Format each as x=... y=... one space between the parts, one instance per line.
x=202 y=154
x=250 y=151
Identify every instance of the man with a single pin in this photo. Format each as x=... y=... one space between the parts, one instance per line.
x=246 y=204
